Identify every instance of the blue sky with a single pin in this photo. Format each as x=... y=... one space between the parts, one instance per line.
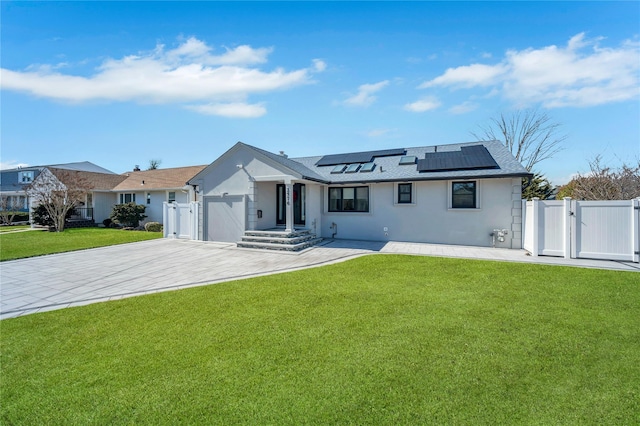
x=121 y=83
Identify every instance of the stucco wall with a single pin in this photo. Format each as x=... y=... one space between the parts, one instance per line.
x=429 y=218
x=227 y=177
x=314 y=207
x=266 y=202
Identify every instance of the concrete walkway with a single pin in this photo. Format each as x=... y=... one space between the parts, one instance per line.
x=78 y=278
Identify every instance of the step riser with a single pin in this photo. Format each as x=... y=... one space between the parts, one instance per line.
x=280 y=247
x=295 y=240
x=273 y=234
x=274 y=240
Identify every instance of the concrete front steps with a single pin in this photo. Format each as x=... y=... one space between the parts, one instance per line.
x=279 y=240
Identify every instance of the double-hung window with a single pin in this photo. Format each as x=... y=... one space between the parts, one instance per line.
x=349 y=199
x=464 y=195
x=26 y=176
x=405 y=193
x=127 y=198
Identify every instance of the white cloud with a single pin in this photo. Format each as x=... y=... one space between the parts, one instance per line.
x=231 y=110
x=319 y=65
x=365 y=97
x=375 y=133
x=467 y=76
x=463 y=108
x=187 y=73
x=425 y=104
x=5 y=165
x=582 y=73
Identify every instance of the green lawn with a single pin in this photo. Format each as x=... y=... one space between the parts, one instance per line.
x=381 y=339
x=35 y=243
x=13 y=228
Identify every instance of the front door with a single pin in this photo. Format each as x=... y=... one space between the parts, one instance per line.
x=299 y=204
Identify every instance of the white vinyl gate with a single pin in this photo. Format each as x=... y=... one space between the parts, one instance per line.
x=582 y=229
x=180 y=220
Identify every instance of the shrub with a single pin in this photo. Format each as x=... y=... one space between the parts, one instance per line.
x=129 y=214
x=42 y=217
x=107 y=222
x=153 y=227
x=21 y=217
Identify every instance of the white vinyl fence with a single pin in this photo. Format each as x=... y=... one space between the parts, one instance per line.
x=582 y=229
x=180 y=220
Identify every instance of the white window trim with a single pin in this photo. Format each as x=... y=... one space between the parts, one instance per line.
x=121 y=196
x=396 y=191
x=450 y=195
x=175 y=196
x=26 y=173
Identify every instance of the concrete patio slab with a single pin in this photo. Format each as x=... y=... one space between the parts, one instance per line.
x=89 y=276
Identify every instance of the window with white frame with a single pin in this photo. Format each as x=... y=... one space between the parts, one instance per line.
x=127 y=198
x=349 y=199
x=464 y=195
x=25 y=176
x=171 y=197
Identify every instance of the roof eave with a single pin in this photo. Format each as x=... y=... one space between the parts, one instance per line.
x=432 y=178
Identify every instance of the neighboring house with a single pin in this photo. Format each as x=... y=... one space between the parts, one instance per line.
x=152 y=188
x=447 y=194
x=13 y=182
x=99 y=199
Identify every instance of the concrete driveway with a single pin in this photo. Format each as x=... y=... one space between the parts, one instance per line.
x=78 y=278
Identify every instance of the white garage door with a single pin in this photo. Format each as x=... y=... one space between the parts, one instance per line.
x=225 y=218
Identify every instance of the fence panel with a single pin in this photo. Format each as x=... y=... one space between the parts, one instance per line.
x=551 y=228
x=603 y=230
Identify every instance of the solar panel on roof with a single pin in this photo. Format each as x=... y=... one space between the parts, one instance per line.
x=358 y=157
x=468 y=158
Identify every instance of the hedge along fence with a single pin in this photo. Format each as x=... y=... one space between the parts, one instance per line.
x=7 y=218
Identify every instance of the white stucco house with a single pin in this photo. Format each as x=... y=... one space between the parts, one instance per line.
x=447 y=194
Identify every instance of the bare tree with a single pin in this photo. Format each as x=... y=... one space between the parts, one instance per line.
x=154 y=164
x=531 y=135
x=605 y=183
x=59 y=191
x=8 y=208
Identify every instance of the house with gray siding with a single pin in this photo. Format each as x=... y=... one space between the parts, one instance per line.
x=14 y=183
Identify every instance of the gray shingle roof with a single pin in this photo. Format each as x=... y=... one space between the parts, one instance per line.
x=388 y=168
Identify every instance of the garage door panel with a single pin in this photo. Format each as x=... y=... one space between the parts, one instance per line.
x=225 y=218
